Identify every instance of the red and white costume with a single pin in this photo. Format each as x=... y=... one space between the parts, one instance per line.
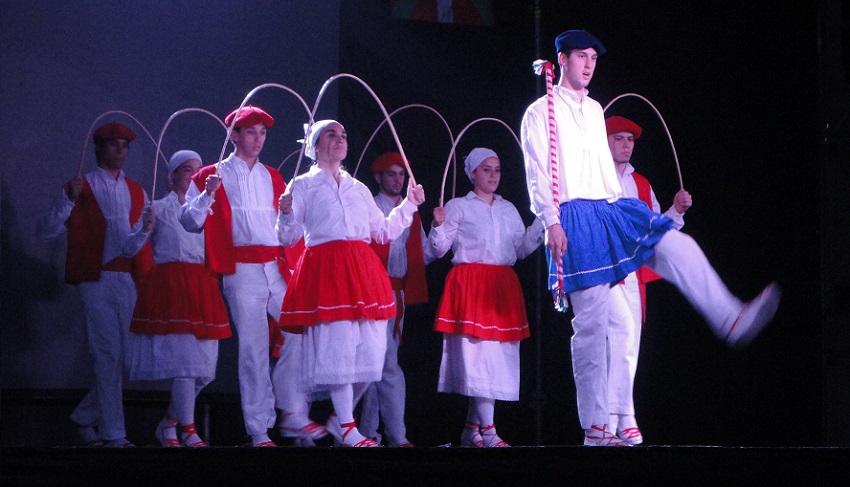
x=98 y=224
x=482 y=311
x=179 y=315
x=241 y=246
x=340 y=296
x=627 y=302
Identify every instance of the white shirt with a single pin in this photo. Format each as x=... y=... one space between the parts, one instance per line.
x=324 y=211
x=251 y=197
x=627 y=182
x=397 y=261
x=478 y=232
x=586 y=168
x=113 y=198
x=169 y=240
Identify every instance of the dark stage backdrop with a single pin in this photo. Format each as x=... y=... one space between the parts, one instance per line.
x=735 y=85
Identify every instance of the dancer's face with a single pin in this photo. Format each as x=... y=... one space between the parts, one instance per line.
x=391 y=181
x=111 y=154
x=249 y=141
x=577 y=67
x=485 y=177
x=181 y=178
x=621 y=145
x=332 y=145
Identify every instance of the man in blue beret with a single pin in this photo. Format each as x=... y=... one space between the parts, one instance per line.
x=610 y=236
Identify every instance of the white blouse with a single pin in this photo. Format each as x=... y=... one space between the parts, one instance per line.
x=324 y=211
x=478 y=232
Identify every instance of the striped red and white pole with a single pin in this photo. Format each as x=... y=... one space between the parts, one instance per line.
x=545 y=68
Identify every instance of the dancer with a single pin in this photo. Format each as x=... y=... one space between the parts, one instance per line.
x=340 y=295
x=405 y=263
x=601 y=237
x=482 y=311
x=179 y=316
x=627 y=311
x=97 y=211
x=236 y=204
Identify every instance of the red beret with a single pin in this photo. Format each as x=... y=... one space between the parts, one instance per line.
x=249 y=116
x=617 y=124
x=112 y=131
x=386 y=161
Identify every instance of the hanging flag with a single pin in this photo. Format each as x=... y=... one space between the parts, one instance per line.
x=468 y=12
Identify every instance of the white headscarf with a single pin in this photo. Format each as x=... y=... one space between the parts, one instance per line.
x=181 y=157
x=475 y=158
x=311 y=136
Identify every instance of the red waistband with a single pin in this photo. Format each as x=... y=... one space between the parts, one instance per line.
x=119 y=264
x=255 y=254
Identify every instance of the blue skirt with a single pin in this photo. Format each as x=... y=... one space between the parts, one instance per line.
x=606 y=241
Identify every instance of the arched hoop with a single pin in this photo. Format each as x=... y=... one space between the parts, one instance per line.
x=454 y=147
x=397 y=110
x=669 y=137
x=245 y=102
x=380 y=105
x=91 y=130
x=162 y=133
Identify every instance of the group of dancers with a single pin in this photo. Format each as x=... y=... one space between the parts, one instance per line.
x=317 y=273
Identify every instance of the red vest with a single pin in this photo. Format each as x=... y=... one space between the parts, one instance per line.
x=644 y=274
x=218 y=228
x=414 y=285
x=87 y=232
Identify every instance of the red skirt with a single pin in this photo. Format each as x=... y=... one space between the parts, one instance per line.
x=179 y=297
x=341 y=280
x=483 y=301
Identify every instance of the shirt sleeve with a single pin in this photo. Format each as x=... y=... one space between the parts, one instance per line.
x=441 y=238
x=51 y=224
x=386 y=229
x=531 y=238
x=137 y=237
x=193 y=213
x=678 y=218
x=535 y=143
x=288 y=227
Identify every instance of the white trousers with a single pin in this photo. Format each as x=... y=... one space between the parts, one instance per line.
x=253 y=292
x=388 y=395
x=679 y=260
x=108 y=309
x=293 y=403
x=624 y=327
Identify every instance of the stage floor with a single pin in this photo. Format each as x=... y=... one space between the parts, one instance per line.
x=557 y=465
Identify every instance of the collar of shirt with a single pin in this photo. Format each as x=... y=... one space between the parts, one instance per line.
x=345 y=179
x=472 y=196
x=568 y=95
x=105 y=175
x=389 y=201
x=237 y=162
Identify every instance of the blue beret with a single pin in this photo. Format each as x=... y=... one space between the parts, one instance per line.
x=577 y=39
